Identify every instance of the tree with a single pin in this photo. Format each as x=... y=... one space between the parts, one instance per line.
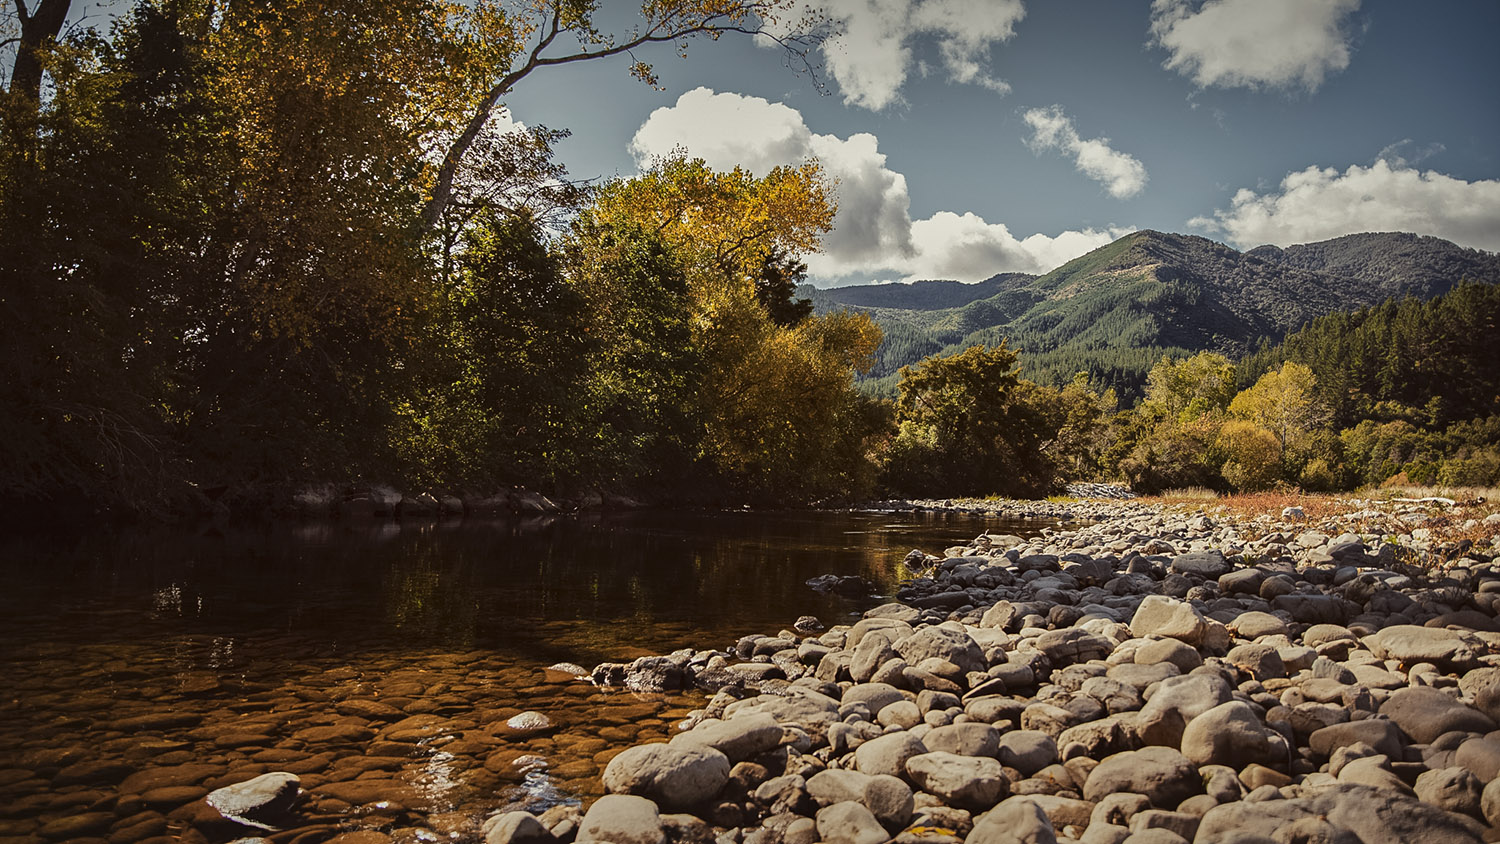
x=37 y=30
x=776 y=288
x=1283 y=402
x=969 y=425
x=1186 y=389
x=1253 y=456
x=519 y=38
x=725 y=223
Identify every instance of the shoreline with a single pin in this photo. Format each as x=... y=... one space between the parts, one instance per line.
x=1154 y=675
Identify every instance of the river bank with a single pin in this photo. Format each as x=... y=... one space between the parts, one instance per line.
x=1167 y=675
x=1033 y=649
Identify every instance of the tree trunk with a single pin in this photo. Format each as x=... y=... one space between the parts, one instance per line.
x=38 y=29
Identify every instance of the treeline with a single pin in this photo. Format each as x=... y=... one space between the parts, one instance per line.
x=255 y=245
x=1405 y=392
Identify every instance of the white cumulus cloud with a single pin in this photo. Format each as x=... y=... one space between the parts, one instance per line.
x=1321 y=203
x=878 y=42
x=1121 y=174
x=874 y=236
x=1254 y=43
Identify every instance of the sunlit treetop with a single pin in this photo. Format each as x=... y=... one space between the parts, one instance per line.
x=727 y=220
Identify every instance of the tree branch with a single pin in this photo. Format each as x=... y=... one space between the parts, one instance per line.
x=660 y=32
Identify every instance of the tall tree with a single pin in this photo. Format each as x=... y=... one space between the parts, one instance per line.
x=37 y=29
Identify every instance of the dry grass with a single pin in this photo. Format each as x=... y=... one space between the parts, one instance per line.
x=1186 y=494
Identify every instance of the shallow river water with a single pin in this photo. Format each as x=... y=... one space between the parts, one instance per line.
x=140 y=670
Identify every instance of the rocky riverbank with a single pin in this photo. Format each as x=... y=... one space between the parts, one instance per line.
x=1097 y=502
x=1153 y=678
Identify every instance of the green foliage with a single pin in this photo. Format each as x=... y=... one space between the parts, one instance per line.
x=969 y=425
x=776 y=288
x=1202 y=385
x=256 y=244
x=1253 y=456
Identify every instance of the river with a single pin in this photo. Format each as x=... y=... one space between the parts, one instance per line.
x=379 y=662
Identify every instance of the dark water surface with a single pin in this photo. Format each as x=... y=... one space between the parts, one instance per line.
x=139 y=670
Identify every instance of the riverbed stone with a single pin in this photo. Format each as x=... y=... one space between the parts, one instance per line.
x=966 y=782
x=967 y=739
x=1162 y=775
x=1163 y=617
x=675 y=777
x=1028 y=751
x=622 y=819
x=952 y=646
x=259 y=801
x=1229 y=734
x=517 y=828
x=1206 y=564
x=1411 y=644
x=850 y=823
x=1018 y=820
x=1424 y=713
x=888 y=753
x=737 y=738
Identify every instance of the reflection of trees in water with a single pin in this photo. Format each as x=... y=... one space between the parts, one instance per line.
x=427 y=598
x=554 y=589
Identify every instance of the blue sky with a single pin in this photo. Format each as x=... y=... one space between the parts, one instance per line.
x=971 y=137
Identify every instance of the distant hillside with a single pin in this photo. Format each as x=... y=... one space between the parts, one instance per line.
x=918 y=295
x=1115 y=311
x=1401 y=264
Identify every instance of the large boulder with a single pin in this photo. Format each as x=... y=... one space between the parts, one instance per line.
x=1425 y=713
x=738 y=738
x=1229 y=734
x=964 y=782
x=622 y=819
x=1412 y=644
x=1161 y=774
x=952 y=646
x=675 y=776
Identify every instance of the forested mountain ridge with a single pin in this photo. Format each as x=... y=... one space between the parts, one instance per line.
x=1402 y=264
x=1114 y=311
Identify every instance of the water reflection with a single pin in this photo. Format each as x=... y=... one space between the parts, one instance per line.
x=555 y=589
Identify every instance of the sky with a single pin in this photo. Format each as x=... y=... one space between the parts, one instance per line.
x=973 y=137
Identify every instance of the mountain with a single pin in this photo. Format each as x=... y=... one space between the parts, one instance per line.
x=1401 y=264
x=924 y=295
x=1113 y=312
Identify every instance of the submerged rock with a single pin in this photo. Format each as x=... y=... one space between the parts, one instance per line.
x=259 y=802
